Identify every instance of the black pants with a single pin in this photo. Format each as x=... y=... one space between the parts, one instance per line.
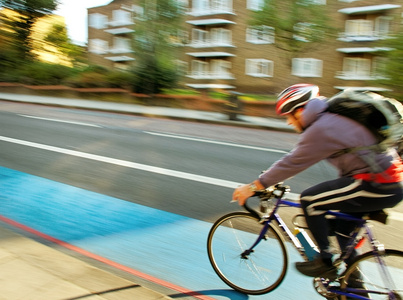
x=346 y=195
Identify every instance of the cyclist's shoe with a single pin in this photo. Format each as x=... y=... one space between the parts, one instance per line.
x=317 y=268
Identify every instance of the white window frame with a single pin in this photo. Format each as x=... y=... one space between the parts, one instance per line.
x=260 y=35
x=200 y=37
x=121 y=45
x=307 y=67
x=220 y=36
x=361 y=27
x=208 y=7
x=121 y=17
x=98 y=46
x=97 y=21
x=382 y=26
x=220 y=68
x=199 y=68
x=259 y=67
x=357 y=68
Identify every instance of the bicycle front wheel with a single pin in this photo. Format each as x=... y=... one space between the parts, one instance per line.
x=255 y=273
x=375 y=277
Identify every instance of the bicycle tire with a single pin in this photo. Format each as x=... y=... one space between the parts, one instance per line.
x=258 y=273
x=365 y=275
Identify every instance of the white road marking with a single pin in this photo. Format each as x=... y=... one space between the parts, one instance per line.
x=214 y=142
x=128 y=164
x=61 y=121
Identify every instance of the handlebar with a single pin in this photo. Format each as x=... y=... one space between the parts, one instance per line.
x=276 y=191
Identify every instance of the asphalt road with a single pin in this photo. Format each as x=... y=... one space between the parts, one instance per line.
x=221 y=152
x=184 y=168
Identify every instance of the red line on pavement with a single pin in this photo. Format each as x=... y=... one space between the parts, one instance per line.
x=105 y=260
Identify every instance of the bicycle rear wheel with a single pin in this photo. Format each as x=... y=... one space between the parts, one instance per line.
x=366 y=277
x=256 y=273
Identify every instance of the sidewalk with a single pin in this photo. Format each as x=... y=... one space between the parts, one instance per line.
x=30 y=270
x=152 y=111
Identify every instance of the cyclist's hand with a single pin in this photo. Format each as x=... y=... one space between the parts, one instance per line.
x=242 y=193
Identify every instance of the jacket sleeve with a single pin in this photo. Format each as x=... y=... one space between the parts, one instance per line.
x=310 y=150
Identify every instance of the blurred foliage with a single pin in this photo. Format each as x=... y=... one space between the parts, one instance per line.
x=154 y=45
x=58 y=38
x=392 y=70
x=299 y=25
x=38 y=73
x=19 y=25
x=151 y=77
x=100 y=77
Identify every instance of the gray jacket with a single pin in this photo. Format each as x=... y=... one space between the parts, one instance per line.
x=326 y=134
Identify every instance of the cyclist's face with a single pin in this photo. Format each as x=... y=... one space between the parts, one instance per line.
x=294 y=119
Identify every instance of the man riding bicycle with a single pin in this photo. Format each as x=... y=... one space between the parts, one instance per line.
x=325 y=135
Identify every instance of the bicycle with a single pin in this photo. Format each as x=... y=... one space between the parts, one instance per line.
x=248 y=252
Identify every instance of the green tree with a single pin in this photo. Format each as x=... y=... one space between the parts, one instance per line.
x=58 y=38
x=298 y=25
x=20 y=26
x=392 y=70
x=156 y=45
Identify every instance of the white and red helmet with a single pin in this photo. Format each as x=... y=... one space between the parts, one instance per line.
x=295 y=96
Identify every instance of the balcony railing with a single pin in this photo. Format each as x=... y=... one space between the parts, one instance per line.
x=210 y=75
x=348 y=75
x=209 y=44
x=360 y=37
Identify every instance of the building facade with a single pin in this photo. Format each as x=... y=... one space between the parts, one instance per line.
x=222 y=51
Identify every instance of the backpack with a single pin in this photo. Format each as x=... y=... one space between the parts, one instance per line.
x=382 y=116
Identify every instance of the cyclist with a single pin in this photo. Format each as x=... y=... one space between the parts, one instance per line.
x=356 y=191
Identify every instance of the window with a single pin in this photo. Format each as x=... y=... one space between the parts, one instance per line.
x=220 y=68
x=98 y=46
x=215 y=69
x=199 y=37
x=199 y=68
x=379 y=67
x=259 y=67
x=220 y=36
x=255 y=5
x=306 y=32
x=382 y=25
x=359 y=28
x=214 y=37
x=97 y=21
x=357 y=68
x=206 y=7
x=121 y=17
x=121 y=45
x=181 y=66
x=260 y=35
x=307 y=67
x=180 y=38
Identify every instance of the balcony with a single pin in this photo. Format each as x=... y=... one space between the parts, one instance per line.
x=372 y=9
x=210 y=54
x=121 y=30
x=206 y=22
x=120 y=58
x=210 y=44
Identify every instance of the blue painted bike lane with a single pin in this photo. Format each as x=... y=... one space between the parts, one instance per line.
x=166 y=246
